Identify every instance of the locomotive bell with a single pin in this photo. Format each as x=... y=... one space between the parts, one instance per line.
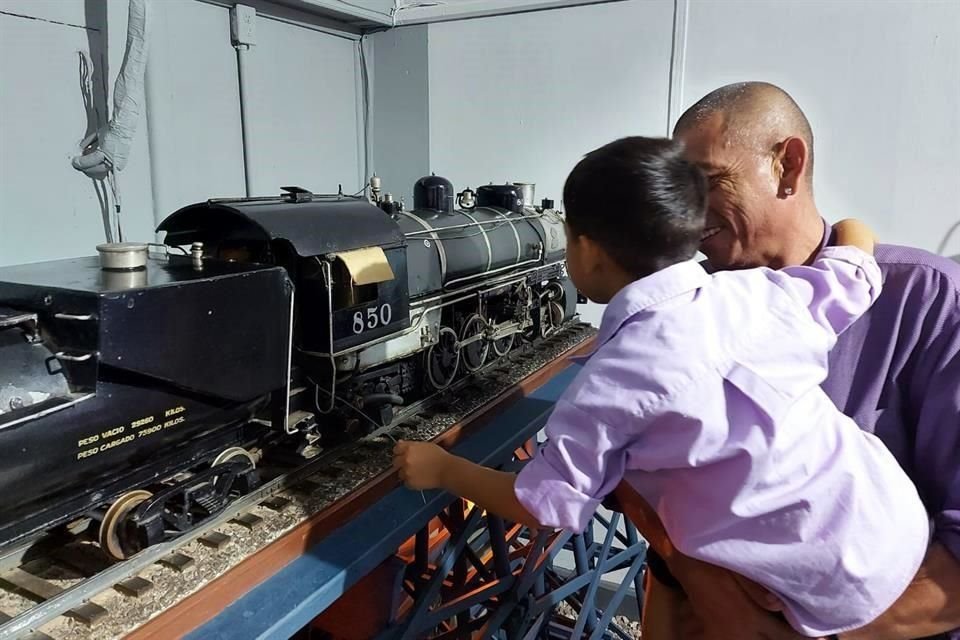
x=389 y=205
x=434 y=193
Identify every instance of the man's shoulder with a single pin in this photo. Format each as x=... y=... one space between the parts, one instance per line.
x=912 y=257
x=902 y=259
x=912 y=268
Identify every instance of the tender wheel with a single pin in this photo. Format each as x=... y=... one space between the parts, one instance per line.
x=113 y=540
x=475 y=353
x=443 y=359
x=234 y=452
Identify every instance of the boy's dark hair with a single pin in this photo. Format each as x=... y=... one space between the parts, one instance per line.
x=640 y=200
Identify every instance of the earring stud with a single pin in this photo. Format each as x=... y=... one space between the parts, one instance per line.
x=788 y=191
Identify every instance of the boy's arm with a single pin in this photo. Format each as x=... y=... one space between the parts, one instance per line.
x=492 y=490
x=561 y=487
x=424 y=465
x=851 y=232
x=841 y=283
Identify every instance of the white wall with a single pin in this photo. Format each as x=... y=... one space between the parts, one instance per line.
x=305 y=125
x=46 y=207
x=400 y=136
x=880 y=83
x=515 y=97
x=522 y=97
x=304 y=110
x=193 y=107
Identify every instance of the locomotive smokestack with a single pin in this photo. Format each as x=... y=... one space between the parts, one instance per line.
x=527 y=193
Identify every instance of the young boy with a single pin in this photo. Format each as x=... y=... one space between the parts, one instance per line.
x=704 y=395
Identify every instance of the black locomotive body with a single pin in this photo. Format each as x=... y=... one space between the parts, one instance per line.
x=142 y=398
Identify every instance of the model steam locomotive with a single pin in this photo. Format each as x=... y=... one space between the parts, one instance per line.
x=138 y=388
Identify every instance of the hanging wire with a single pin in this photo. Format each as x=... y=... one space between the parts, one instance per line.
x=115 y=189
x=946 y=238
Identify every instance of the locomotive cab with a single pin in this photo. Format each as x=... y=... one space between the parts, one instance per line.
x=346 y=257
x=369 y=297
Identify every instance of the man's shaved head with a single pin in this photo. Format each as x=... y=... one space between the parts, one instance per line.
x=756 y=147
x=757 y=114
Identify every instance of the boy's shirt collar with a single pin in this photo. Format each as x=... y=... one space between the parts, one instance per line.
x=641 y=294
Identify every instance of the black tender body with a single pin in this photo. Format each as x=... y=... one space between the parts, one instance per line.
x=146 y=373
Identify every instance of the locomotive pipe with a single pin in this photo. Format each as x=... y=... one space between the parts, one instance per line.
x=381 y=398
x=490 y=272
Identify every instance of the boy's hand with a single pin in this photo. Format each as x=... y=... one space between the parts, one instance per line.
x=424 y=465
x=421 y=464
x=854 y=232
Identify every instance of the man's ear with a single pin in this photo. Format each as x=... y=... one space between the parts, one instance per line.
x=791 y=166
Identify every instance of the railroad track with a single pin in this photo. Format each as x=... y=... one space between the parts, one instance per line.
x=64 y=588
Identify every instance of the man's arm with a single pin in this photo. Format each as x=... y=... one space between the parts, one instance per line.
x=930 y=605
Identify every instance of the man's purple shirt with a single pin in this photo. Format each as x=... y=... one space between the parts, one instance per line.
x=896 y=372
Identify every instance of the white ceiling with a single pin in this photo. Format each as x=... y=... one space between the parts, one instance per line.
x=377 y=14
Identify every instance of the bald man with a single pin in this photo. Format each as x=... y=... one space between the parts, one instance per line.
x=896 y=371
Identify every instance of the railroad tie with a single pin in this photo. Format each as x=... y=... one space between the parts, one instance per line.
x=214 y=540
x=134 y=587
x=276 y=503
x=247 y=520
x=88 y=613
x=177 y=561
